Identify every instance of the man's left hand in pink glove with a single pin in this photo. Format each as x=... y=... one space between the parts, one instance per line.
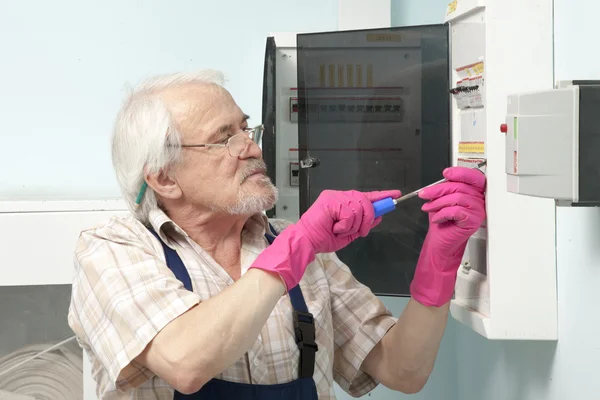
x=456 y=211
x=407 y=353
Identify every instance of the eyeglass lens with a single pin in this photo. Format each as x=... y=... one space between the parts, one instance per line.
x=237 y=144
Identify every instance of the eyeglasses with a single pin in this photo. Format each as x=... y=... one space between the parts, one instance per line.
x=235 y=145
x=238 y=142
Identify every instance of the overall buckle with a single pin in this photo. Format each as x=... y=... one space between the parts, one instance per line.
x=304 y=328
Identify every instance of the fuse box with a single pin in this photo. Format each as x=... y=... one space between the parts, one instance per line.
x=506 y=284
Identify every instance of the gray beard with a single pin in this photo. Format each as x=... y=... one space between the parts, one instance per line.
x=252 y=203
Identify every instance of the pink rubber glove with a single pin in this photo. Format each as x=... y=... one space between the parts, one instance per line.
x=330 y=224
x=456 y=211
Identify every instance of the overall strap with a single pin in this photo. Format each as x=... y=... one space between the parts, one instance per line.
x=304 y=326
x=175 y=264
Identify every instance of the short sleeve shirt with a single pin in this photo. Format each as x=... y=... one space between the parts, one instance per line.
x=124 y=294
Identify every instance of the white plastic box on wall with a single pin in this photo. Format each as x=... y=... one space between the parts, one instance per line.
x=552 y=143
x=506 y=287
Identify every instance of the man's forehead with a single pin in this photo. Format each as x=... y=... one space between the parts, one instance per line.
x=202 y=109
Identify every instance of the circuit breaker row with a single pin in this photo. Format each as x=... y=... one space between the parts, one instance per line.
x=352 y=109
x=469 y=89
x=469 y=93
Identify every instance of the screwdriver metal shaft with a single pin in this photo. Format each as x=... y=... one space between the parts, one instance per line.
x=386 y=205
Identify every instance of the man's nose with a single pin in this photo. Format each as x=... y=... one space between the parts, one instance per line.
x=252 y=150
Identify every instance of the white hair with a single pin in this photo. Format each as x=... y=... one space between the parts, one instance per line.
x=146 y=138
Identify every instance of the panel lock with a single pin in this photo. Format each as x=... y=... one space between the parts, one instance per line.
x=310 y=162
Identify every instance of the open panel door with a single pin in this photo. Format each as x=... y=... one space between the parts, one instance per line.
x=268 y=144
x=374 y=113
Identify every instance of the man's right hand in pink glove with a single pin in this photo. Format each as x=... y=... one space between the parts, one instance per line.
x=456 y=211
x=330 y=224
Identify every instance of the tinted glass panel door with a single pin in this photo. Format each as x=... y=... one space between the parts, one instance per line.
x=375 y=114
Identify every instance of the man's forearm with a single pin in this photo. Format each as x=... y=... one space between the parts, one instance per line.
x=417 y=335
x=213 y=335
x=404 y=358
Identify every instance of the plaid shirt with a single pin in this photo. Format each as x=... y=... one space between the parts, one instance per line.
x=124 y=294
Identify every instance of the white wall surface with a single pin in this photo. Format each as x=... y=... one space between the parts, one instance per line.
x=65 y=64
x=567 y=369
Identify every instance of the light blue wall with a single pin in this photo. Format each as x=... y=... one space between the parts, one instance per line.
x=567 y=369
x=65 y=64
x=418 y=12
x=442 y=384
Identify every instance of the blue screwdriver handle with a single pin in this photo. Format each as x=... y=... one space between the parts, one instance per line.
x=384 y=206
x=388 y=204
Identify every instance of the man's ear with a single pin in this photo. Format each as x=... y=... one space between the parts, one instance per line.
x=163 y=185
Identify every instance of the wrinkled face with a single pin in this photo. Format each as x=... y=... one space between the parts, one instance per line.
x=209 y=177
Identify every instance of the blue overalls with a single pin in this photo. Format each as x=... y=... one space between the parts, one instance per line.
x=304 y=327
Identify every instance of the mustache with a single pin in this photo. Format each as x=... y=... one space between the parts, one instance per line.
x=252 y=166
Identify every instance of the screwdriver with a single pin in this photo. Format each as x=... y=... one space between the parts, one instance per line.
x=388 y=204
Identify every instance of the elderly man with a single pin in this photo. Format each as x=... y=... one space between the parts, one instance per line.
x=197 y=295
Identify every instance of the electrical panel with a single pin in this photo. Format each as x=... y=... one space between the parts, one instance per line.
x=281 y=127
x=553 y=142
x=506 y=284
x=400 y=81
x=470 y=136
